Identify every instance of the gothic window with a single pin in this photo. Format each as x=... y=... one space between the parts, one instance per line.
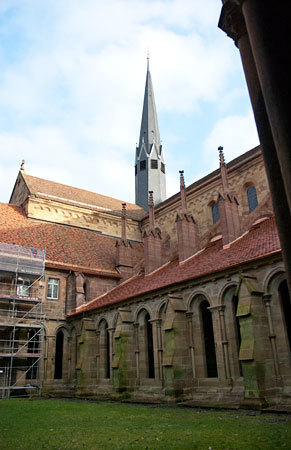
x=154 y=163
x=252 y=198
x=150 y=347
x=215 y=213
x=53 y=288
x=143 y=165
x=208 y=336
x=286 y=308
x=59 y=355
x=135 y=169
x=163 y=167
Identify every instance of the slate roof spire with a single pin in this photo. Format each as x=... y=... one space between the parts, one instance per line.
x=149 y=161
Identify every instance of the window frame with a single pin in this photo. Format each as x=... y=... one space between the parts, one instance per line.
x=53 y=285
x=252 y=198
x=154 y=164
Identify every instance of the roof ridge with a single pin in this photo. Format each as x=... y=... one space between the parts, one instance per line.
x=79 y=189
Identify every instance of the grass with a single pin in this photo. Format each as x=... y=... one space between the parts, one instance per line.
x=65 y=424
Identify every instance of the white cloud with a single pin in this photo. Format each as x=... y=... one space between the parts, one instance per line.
x=236 y=134
x=71 y=87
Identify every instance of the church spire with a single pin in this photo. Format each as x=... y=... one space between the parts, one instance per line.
x=149 y=161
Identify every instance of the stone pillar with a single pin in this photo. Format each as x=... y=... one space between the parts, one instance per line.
x=86 y=364
x=50 y=364
x=111 y=348
x=160 y=349
x=229 y=218
x=123 y=365
x=80 y=294
x=255 y=351
x=176 y=360
x=233 y=23
x=268 y=30
x=136 y=339
x=272 y=336
x=98 y=356
x=221 y=342
x=189 y=316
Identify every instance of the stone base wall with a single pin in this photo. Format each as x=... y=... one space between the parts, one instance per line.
x=253 y=371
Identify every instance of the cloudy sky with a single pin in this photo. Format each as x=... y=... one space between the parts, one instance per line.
x=72 y=75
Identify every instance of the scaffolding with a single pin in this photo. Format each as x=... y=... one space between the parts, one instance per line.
x=21 y=320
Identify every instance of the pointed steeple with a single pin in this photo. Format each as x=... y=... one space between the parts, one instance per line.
x=149 y=130
x=149 y=161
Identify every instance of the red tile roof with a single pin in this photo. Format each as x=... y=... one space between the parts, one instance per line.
x=61 y=192
x=261 y=241
x=66 y=247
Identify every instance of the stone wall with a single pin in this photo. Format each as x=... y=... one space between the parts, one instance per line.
x=201 y=196
x=254 y=372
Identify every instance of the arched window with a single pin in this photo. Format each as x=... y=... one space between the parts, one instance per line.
x=215 y=213
x=252 y=198
x=208 y=335
x=150 y=347
x=286 y=308
x=59 y=355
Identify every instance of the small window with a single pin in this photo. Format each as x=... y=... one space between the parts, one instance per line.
x=135 y=169
x=163 y=167
x=215 y=213
x=53 y=288
x=154 y=163
x=143 y=165
x=23 y=286
x=252 y=198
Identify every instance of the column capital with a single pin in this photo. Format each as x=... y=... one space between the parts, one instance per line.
x=267 y=299
x=231 y=20
x=217 y=308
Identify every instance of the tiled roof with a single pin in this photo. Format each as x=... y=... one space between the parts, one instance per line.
x=66 y=247
x=261 y=241
x=49 y=189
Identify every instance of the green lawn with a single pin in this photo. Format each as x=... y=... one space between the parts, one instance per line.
x=65 y=424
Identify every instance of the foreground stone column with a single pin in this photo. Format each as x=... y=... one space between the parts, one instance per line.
x=268 y=26
x=233 y=23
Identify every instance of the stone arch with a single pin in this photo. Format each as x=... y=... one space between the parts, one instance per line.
x=277 y=272
x=145 y=346
x=196 y=294
x=61 y=353
x=142 y=308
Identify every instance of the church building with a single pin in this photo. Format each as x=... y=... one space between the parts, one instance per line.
x=180 y=299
